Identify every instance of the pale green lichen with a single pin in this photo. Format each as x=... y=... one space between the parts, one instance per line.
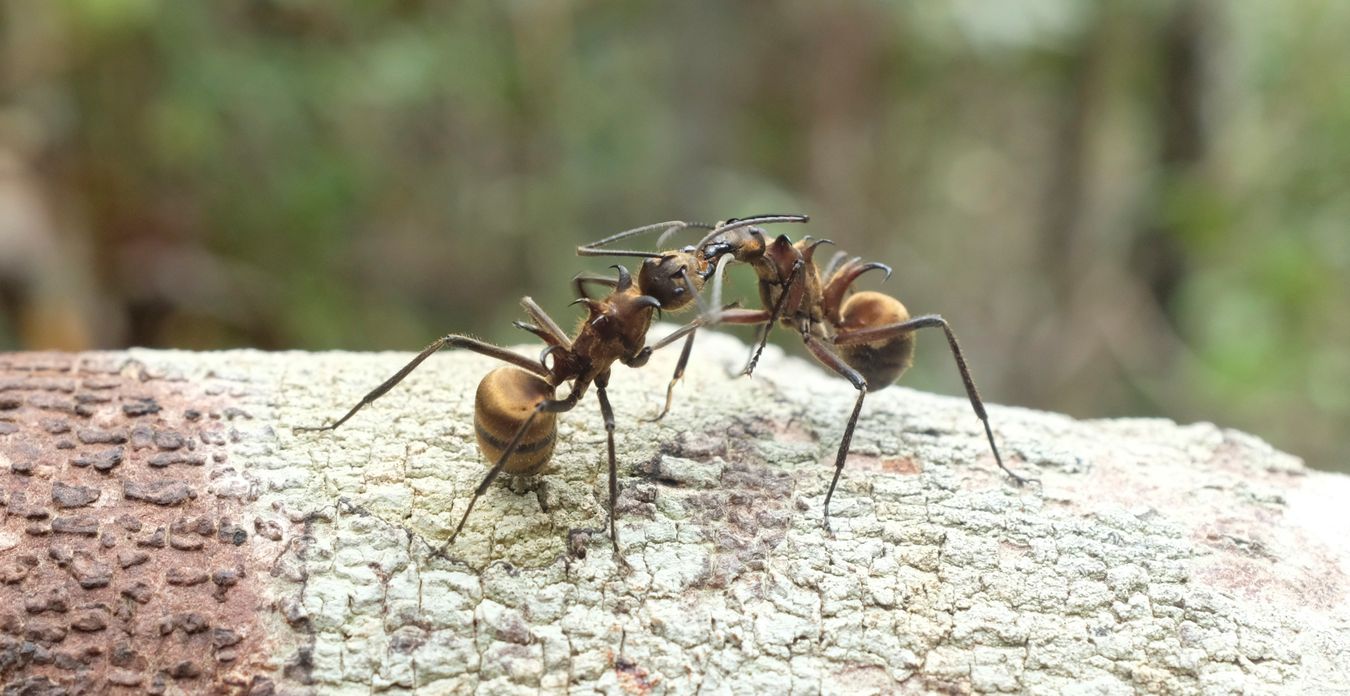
x=1150 y=557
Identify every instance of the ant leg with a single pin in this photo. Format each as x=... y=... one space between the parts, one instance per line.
x=544 y=321
x=705 y=317
x=832 y=360
x=721 y=315
x=879 y=333
x=608 y=412
x=761 y=339
x=773 y=318
x=684 y=353
x=728 y=315
x=754 y=358
x=451 y=341
x=679 y=373
x=549 y=406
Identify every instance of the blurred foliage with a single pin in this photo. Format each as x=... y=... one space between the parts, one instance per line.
x=1124 y=208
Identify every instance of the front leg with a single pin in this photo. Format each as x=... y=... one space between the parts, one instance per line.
x=777 y=314
x=607 y=412
x=679 y=373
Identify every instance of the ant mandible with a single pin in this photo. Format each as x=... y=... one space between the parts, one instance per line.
x=515 y=407
x=865 y=337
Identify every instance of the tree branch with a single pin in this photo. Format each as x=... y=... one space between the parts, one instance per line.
x=159 y=505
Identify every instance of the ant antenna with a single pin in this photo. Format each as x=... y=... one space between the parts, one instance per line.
x=738 y=223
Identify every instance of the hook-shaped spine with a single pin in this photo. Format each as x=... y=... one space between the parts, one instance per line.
x=625 y=280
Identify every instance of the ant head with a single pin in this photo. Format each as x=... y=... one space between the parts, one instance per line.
x=738 y=237
x=743 y=243
x=673 y=279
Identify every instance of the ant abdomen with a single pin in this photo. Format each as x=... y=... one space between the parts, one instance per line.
x=880 y=362
x=506 y=397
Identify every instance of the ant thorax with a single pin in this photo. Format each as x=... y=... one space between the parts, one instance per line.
x=789 y=283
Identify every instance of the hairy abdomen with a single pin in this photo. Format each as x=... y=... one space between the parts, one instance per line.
x=880 y=362
x=506 y=397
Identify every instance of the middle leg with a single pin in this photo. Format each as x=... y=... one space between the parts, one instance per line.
x=830 y=359
x=607 y=412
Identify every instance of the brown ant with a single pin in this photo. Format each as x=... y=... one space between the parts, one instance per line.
x=865 y=337
x=515 y=407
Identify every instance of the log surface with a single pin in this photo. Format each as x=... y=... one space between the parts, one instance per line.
x=165 y=528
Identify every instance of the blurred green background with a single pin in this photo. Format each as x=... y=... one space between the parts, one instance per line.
x=1124 y=208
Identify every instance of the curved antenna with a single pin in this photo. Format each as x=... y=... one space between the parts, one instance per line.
x=738 y=223
x=667 y=228
x=665 y=236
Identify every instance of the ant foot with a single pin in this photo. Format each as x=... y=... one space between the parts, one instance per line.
x=624 y=566
x=1018 y=480
x=655 y=418
x=442 y=552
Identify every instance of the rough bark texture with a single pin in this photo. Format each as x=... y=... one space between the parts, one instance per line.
x=1150 y=557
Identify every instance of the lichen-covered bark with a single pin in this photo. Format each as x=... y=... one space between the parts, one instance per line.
x=1150 y=556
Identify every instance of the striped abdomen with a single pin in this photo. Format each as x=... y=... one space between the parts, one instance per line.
x=506 y=398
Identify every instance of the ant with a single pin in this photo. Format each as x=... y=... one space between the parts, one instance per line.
x=865 y=337
x=516 y=406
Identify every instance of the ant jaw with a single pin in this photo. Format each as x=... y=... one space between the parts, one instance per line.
x=715 y=250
